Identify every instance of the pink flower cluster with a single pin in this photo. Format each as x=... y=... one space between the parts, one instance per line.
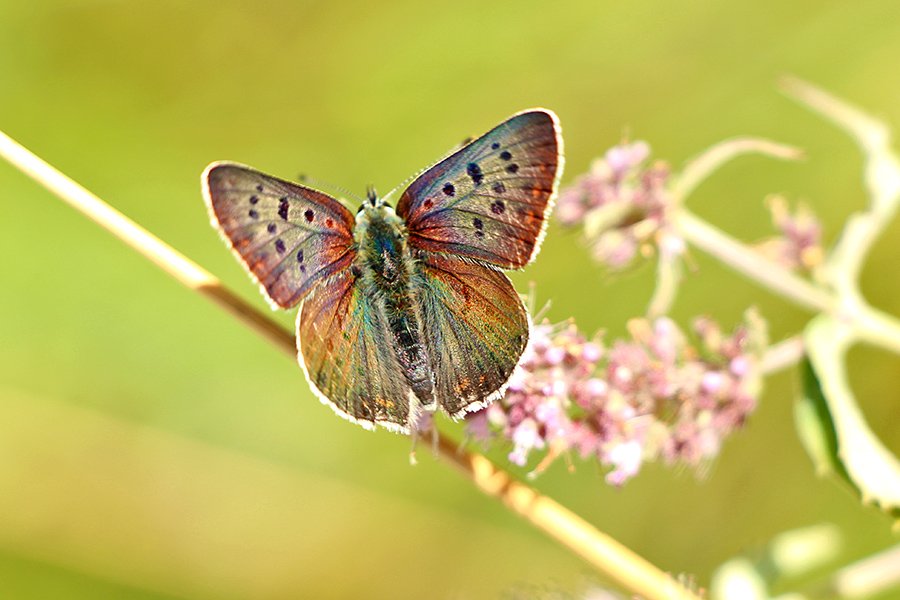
x=648 y=398
x=621 y=205
x=799 y=243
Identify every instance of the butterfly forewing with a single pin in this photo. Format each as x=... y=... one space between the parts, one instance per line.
x=343 y=342
x=289 y=237
x=475 y=328
x=489 y=200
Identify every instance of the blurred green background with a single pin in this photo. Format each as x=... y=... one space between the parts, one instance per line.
x=151 y=447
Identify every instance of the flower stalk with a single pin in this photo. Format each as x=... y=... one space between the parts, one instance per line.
x=617 y=562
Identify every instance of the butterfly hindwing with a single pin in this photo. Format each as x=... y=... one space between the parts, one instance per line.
x=288 y=236
x=343 y=342
x=474 y=326
x=489 y=200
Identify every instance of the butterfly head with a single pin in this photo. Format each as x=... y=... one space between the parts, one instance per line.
x=374 y=213
x=372 y=200
x=371 y=197
x=375 y=206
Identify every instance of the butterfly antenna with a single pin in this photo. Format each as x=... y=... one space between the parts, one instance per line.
x=416 y=175
x=307 y=180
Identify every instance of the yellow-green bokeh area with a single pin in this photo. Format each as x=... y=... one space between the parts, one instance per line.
x=151 y=447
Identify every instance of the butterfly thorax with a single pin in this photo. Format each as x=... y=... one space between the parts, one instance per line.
x=380 y=238
x=385 y=268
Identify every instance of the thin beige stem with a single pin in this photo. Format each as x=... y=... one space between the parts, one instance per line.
x=620 y=564
x=870 y=576
x=702 y=166
x=870 y=324
x=167 y=258
x=754 y=265
x=783 y=355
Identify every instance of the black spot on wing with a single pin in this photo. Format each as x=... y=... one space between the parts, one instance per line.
x=474 y=171
x=479 y=227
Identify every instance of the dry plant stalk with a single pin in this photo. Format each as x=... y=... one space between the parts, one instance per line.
x=620 y=565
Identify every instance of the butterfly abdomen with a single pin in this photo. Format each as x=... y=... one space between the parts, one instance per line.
x=386 y=265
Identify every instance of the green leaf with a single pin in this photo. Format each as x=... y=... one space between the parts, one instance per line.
x=833 y=428
x=816 y=429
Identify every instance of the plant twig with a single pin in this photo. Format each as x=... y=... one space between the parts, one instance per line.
x=751 y=263
x=868 y=577
x=881 y=176
x=701 y=167
x=620 y=564
x=784 y=354
x=870 y=324
x=167 y=258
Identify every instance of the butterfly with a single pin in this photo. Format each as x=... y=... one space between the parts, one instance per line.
x=406 y=310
